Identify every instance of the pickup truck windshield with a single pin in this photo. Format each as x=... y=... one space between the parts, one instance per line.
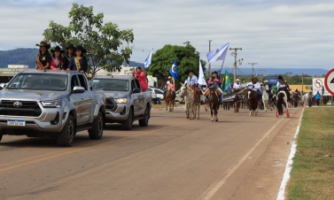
x=39 y=82
x=110 y=84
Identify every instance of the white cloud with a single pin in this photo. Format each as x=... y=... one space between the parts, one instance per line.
x=272 y=33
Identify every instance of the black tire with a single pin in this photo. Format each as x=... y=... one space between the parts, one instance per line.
x=97 y=131
x=0 y=137
x=66 y=136
x=127 y=125
x=144 y=122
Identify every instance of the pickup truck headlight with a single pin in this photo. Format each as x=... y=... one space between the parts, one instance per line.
x=121 y=101
x=52 y=104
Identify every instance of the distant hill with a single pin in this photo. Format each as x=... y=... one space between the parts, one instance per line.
x=18 y=56
x=28 y=57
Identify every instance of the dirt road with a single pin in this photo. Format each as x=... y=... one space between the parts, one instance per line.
x=173 y=158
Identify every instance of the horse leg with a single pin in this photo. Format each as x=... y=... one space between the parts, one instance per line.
x=216 y=115
x=277 y=114
x=198 y=110
x=211 y=114
x=287 y=113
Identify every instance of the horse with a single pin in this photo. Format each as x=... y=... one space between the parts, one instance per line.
x=282 y=104
x=267 y=103
x=213 y=102
x=169 y=99
x=252 y=101
x=305 y=99
x=192 y=106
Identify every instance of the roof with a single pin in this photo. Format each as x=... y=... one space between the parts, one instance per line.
x=34 y=71
x=114 y=77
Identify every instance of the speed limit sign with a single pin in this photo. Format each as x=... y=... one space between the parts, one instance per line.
x=329 y=82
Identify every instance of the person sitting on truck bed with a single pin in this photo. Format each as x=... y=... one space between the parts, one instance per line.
x=79 y=62
x=141 y=77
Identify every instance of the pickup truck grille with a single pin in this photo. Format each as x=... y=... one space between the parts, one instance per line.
x=26 y=108
x=111 y=104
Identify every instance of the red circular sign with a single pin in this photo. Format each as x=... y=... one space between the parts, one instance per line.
x=318 y=83
x=329 y=82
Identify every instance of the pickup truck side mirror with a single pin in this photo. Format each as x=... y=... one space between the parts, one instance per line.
x=78 y=89
x=136 y=90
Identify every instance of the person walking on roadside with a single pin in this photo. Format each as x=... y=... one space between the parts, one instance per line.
x=140 y=75
x=79 y=62
x=310 y=97
x=317 y=98
x=67 y=57
x=43 y=60
x=56 y=59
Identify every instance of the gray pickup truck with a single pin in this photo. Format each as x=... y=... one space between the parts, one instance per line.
x=51 y=103
x=125 y=100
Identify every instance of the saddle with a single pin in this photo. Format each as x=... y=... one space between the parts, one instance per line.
x=197 y=95
x=218 y=92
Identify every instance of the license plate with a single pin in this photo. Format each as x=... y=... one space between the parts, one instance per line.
x=16 y=123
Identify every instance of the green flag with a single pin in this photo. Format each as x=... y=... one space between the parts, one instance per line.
x=226 y=80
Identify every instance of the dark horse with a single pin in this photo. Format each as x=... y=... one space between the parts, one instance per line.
x=252 y=101
x=213 y=101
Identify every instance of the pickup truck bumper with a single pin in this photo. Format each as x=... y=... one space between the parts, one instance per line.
x=49 y=123
x=120 y=114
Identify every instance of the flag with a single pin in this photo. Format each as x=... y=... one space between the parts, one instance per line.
x=201 y=78
x=173 y=70
x=148 y=60
x=226 y=80
x=218 y=54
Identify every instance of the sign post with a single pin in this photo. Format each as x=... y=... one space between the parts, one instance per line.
x=329 y=82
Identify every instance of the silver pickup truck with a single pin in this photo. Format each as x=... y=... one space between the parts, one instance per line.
x=51 y=103
x=125 y=100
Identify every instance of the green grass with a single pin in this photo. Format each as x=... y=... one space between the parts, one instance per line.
x=312 y=174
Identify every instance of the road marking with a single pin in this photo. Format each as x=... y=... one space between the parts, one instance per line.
x=212 y=190
x=84 y=148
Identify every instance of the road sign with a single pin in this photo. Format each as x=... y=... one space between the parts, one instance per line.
x=318 y=85
x=329 y=82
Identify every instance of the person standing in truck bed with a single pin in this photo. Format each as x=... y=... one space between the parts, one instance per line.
x=141 y=77
x=79 y=62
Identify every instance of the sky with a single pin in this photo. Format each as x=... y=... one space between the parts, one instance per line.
x=272 y=33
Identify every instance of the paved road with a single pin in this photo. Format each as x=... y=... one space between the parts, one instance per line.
x=173 y=158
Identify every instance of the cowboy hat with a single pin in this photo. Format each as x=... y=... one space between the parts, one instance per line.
x=265 y=81
x=237 y=80
x=43 y=44
x=57 y=48
x=280 y=78
x=80 y=48
x=169 y=77
x=71 y=46
x=192 y=71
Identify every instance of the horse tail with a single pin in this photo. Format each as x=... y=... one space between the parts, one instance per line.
x=280 y=101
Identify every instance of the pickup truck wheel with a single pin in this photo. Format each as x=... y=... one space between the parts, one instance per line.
x=0 y=137
x=97 y=131
x=66 y=136
x=127 y=125
x=144 y=121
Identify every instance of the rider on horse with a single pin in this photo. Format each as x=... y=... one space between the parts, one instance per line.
x=237 y=86
x=169 y=83
x=215 y=81
x=268 y=90
x=193 y=83
x=283 y=86
x=257 y=87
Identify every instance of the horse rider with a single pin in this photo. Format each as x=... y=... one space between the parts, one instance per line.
x=216 y=82
x=169 y=83
x=228 y=88
x=257 y=87
x=237 y=86
x=282 y=86
x=267 y=87
x=192 y=81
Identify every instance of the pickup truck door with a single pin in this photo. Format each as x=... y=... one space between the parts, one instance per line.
x=141 y=99
x=135 y=99
x=76 y=99
x=86 y=100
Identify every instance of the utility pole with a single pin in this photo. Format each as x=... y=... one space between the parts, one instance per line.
x=210 y=63
x=302 y=84
x=235 y=53
x=252 y=68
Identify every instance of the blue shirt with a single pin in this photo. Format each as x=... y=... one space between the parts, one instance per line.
x=228 y=88
x=317 y=96
x=192 y=80
x=83 y=64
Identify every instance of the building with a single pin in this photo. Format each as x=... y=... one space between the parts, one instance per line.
x=301 y=88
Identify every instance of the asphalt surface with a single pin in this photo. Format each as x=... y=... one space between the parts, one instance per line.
x=172 y=158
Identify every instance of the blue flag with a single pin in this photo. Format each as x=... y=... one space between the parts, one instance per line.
x=148 y=60
x=218 y=54
x=173 y=70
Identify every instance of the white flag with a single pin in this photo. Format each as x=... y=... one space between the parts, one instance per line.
x=201 y=77
x=218 y=54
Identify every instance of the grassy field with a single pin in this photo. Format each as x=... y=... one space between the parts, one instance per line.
x=312 y=175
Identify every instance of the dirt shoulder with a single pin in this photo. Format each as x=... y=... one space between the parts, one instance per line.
x=264 y=180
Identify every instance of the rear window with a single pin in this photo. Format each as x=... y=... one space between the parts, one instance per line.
x=110 y=84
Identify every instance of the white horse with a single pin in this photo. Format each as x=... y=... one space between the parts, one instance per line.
x=192 y=106
x=265 y=100
x=305 y=99
x=282 y=104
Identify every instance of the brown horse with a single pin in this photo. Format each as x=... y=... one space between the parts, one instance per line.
x=213 y=101
x=252 y=102
x=170 y=99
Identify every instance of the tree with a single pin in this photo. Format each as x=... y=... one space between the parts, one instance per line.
x=186 y=57
x=102 y=41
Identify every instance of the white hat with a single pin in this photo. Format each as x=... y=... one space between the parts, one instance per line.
x=237 y=80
